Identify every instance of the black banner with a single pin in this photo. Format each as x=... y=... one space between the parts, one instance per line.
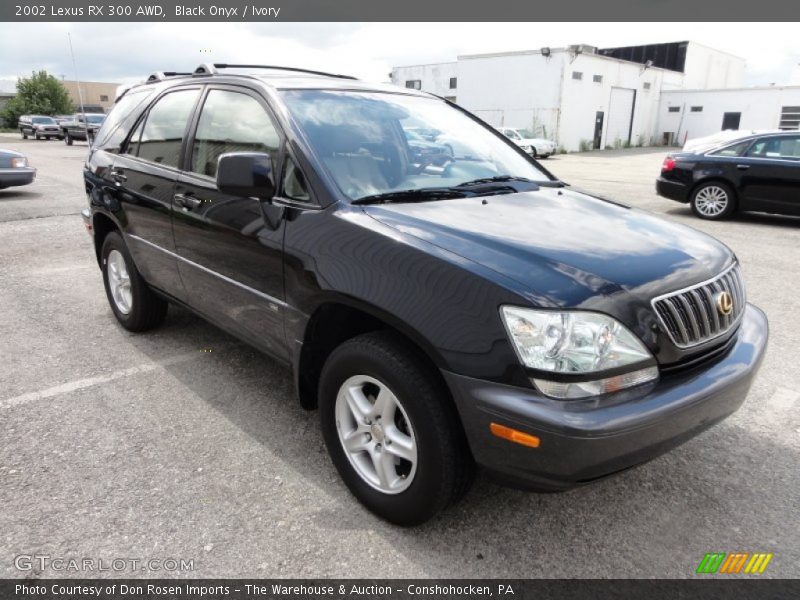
x=408 y=10
x=399 y=589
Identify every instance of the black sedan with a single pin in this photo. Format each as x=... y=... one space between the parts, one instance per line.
x=14 y=169
x=755 y=173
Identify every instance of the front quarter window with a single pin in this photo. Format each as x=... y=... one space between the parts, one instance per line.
x=370 y=145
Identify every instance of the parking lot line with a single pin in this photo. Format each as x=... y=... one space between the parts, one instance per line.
x=79 y=384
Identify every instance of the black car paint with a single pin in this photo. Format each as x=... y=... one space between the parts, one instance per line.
x=761 y=184
x=265 y=270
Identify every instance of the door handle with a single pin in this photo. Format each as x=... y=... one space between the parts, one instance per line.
x=187 y=202
x=742 y=167
x=118 y=176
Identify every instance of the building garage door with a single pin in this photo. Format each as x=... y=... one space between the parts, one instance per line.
x=620 y=116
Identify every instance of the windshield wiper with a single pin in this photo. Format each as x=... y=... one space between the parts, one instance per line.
x=413 y=195
x=497 y=179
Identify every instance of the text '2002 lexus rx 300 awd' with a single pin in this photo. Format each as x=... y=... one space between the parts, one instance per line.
x=475 y=311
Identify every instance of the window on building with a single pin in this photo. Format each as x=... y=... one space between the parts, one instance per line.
x=453 y=83
x=674 y=109
x=646 y=85
x=790 y=117
x=414 y=84
x=597 y=78
x=103 y=98
x=697 y=109
x=577 y=75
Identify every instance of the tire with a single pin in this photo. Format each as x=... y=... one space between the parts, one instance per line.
x=138 y=308
x=713 y=201
x=425 y=426
x=37 y=136
x=24 y=135
x=68 y=139
x=534 y=153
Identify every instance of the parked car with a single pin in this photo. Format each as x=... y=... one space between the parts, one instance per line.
x=758 y=173
x=81 y=127
x=38 y=126
x=536 y=147
x=480 y=313
x=423 y=151
x=715 y=140
x=14 y=169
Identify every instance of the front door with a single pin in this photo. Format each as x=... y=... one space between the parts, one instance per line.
x=730 y=120
x=230 y=256
x=770 y=175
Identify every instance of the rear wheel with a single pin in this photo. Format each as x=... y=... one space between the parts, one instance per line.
x=68 y=139
x=391 y=431
x=37 y=136
x=714 y=201
x=24 y=135
x=134 y=304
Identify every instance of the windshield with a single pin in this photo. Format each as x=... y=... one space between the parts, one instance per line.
x=43 y=121
x=370 y=143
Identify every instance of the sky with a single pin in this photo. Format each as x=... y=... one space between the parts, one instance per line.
x=128 y=52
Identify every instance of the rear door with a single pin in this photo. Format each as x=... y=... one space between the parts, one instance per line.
x=144 y=176
x=230 y=256
x=770 y=175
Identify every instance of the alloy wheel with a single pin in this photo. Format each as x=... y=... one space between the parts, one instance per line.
x=711 y=201
x=119 y=281
x=376 y=434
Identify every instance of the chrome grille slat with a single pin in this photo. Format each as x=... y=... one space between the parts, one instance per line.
x=690 y=316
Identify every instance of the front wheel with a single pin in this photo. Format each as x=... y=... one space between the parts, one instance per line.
x=68 y=139
x=714 y=201
x=134 y=304
x=391 y=430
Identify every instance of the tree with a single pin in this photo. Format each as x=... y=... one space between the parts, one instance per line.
x=40 y=94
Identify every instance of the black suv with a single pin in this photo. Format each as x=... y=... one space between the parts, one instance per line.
x=472 y=311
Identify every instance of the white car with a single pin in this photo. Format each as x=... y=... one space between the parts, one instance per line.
x=536 y=147
x=708 y=142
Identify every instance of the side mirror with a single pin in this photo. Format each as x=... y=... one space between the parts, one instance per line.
x=247 y=174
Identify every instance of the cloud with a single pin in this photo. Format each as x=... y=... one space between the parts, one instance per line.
x=125 y=52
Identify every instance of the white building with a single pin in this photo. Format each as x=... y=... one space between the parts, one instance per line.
x=688 y=114
x=580 y=96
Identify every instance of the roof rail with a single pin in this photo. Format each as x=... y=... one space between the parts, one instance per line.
x=204 y=69
x=216 y=66
x=161 y=75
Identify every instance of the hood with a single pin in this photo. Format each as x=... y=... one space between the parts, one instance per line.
x=565 y=248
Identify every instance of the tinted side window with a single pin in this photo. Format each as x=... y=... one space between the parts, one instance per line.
x=294 y=183
x=231 y=122
x=734 y=150
x=778 y=147
x=133 y=143
x=110 y=133
x=163 y=131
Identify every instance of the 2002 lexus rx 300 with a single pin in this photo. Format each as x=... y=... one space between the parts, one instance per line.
x=476 y=311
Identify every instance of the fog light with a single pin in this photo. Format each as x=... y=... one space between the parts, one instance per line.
x=583 y=389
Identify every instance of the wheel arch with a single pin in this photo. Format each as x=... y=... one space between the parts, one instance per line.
x=102 y=225
x=337 y=320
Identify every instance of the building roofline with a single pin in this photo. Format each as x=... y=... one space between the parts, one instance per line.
x=752 y=88
x=435 y=64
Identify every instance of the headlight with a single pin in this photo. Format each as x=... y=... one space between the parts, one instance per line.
x=587 y=353
x=19 y=163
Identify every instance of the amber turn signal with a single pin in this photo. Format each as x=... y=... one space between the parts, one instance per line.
x=514 y=435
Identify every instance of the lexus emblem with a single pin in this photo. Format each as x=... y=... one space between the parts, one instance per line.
x=724 y=303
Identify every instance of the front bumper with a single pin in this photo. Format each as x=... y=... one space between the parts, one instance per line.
x=674 y=190
x=17 y=176
x=584 y=440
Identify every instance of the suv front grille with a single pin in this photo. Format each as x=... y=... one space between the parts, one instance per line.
x=691 y=317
